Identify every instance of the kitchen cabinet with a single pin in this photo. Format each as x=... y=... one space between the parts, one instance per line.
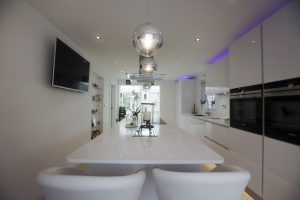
x=219 y=134
x=217 y=138
x=281 y=44
x=217 y=148
x=245 y=150
x=216 y=77
x=245 y=60
x=217 y=74
x=194 y=127
x=281 y=170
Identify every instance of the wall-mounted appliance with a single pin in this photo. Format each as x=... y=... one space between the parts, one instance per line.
x=282 y=110
x=246 y=108
x=70 y=70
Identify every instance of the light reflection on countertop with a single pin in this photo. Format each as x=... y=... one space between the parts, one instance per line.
x=210 y=118
x=172 y=146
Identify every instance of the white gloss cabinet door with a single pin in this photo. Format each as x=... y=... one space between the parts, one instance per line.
x=221 y=74
x=281 y=170
x=220 y=134
x=217 y=148
x=245 y=150
x=281 y=44
x=245 y=60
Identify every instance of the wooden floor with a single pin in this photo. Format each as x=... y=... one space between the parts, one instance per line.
x=246 y=197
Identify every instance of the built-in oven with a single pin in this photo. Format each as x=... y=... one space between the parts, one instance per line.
x=246 y=108
x=282 y=110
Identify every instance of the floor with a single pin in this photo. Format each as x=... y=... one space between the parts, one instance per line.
x=246 y=197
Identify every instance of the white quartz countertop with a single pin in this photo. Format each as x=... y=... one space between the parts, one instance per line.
x=172 y=146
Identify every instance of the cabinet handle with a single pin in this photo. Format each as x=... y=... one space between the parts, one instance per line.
x=292 y=135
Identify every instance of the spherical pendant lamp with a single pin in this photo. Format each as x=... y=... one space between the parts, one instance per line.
x=147 y=65
x=147 y=39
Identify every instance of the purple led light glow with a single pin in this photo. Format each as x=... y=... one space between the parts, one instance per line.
x=262 y=18
x=184 y=77
x=219 y=57
x=250 y=26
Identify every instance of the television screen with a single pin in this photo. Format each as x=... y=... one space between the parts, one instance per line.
x=70 y=70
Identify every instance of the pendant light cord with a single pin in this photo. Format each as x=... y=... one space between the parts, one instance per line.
x=148 y=11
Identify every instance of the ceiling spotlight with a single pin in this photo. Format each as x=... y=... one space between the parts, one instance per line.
x=147 y=65
x=98 y=37
x=198 y=39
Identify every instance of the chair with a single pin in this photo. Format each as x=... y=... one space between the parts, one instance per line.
x=59 y=183
x=222 y=183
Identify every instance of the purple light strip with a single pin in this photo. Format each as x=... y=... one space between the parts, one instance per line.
x=262 y=18
x=184 y=77
x=250 y=26
x=219 y=57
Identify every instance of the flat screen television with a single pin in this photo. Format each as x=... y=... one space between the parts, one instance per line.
x=70 y=70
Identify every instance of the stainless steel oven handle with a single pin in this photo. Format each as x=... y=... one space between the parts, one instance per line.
x=282 y=93
x=244 y=96
x=290 y=87
x=292 y=135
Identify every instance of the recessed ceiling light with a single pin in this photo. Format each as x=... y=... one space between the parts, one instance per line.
x=99 y=37
x=178 y=63
x=253 y=41
x=197 y=39
x=122 y=71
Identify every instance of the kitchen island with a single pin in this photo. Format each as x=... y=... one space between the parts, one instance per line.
x=120 y=151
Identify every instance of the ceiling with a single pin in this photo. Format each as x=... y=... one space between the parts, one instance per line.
x=217 y=22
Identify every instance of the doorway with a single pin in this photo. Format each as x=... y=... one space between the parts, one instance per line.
x=113 y=105
x=132 y=96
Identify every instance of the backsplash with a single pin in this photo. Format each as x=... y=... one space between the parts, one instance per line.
x=220 y=108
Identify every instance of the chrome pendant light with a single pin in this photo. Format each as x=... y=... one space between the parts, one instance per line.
x=147 y=38
x=147 y=65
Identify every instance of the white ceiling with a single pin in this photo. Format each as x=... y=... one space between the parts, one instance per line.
x=217 y=22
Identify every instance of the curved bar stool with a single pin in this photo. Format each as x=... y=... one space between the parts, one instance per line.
x=222 y=183
x=60 y=183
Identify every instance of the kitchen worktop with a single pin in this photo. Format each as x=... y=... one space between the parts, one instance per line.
x=213 y=119
x=171 y=146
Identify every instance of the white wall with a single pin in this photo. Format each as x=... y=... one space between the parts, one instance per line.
x=39 y=125
x=188 y=95
x=168 y=101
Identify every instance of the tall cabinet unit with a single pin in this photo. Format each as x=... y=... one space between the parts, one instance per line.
x=97 y=83
x=281 y=44
x=281 y=50
x=245 y=60
x=246 y=70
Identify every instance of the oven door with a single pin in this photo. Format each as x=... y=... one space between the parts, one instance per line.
x=282 y=116
x=246 y=113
